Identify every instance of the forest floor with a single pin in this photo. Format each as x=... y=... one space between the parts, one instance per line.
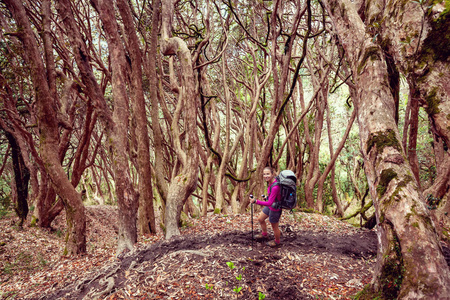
x=320 y=258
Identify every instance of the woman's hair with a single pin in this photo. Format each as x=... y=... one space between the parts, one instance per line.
x=272 y=170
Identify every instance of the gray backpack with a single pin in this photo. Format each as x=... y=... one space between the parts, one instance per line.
x=287 y=181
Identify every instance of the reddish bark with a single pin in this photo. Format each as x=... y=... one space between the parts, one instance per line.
x=146 y=214
x=49 y=134
x=127 y=197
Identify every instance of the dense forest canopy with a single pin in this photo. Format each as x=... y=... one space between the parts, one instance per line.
x=171 y=109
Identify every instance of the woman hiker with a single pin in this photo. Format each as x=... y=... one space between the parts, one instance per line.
x=273 y=194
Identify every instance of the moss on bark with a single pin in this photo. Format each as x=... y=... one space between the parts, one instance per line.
x=433 y=101
x=436 y=46
x=392 y=272
x=382 y=139
x=374 y=53
x=385 y=178
x=403 y=183
x=390 y=278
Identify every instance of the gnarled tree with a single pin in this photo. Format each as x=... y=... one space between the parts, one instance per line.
x=410 y=263
x=185 y=180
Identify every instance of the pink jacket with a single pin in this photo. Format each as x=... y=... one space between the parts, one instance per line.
x=272 y=196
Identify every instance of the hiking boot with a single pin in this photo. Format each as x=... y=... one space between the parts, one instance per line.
x=259 y=237
x=273 y=244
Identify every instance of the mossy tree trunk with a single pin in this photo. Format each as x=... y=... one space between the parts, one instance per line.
x=417 y=36
x=410 y=263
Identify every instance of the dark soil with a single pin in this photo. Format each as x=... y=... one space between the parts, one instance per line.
x=214 y=258
x=200 y=262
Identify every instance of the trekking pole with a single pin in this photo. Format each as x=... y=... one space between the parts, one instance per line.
x=251 y=210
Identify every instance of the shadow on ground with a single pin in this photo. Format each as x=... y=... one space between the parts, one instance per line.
x=264 y=267
x=186 y=266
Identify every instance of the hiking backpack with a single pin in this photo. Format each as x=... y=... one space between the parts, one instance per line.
x=288 y=190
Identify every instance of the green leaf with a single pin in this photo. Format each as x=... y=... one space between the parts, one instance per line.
x=209 y=287
x=230 y=265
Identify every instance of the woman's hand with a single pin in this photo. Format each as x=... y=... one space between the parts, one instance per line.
x=252 y=199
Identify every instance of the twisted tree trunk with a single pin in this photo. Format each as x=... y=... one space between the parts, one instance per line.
x=146 y=214
x=49 y=134
x=410 y=263
x=127 y=197
x=185 y=181
x=417 y=36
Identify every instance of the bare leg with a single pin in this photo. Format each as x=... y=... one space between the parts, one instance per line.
x=262 y=221
x=276 y=231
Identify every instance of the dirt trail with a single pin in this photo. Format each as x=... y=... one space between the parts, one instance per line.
x=214 y=258
x=195 y=267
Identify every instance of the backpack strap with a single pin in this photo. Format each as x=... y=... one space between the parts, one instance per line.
x=275 y=183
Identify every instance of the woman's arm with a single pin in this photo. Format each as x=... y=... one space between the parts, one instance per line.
x=272 y=197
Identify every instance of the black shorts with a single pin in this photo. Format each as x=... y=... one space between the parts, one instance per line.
x=274 y=216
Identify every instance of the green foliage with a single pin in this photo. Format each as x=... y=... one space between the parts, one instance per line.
x=23 y=261
x=34 y=221
x=231 y=265
x=261 y=296
x=4 y=207
x=432 y=202
x=301 y=196
x=59 y=233
x=367 y=293
x=209 y=287
x=5 y=197
x=327 y=193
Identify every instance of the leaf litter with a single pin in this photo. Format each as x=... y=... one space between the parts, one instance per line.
x=320 y=258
